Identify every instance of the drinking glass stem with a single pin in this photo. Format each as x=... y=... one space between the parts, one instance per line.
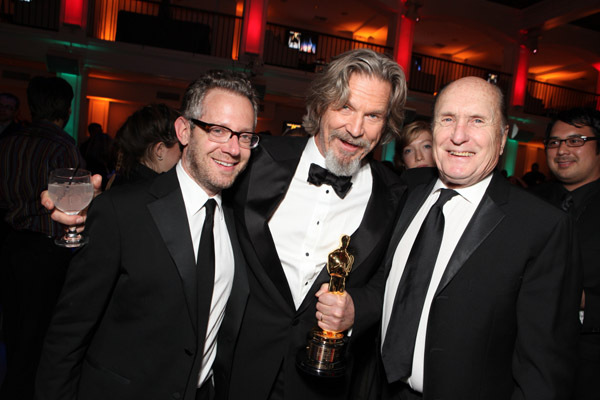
x=72 y=233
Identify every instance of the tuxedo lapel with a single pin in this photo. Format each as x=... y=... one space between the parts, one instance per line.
x=239 y=290
x=414 y=202
x=382 y=207
x=269 y=179
x=485 y=219
x=168 y=212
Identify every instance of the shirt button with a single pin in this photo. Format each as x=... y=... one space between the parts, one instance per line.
x=327 y=191
x=305 y=283
x=318 y=222
x=307 y=254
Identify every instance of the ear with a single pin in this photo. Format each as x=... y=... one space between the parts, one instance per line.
x=182 y=128
x=503 y=139
x=158 y=151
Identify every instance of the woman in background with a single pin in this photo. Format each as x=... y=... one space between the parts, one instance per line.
x=414 y=148
x=146 y=144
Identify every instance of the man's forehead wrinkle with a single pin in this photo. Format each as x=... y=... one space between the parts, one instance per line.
x=469 y=113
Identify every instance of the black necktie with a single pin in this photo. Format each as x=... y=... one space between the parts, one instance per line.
x=205 y=274
x=398 y=348
x=318 y=175
x=567 y=202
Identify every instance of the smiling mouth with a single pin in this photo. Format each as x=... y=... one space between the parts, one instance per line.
x=563 y=163
x=225 y=164
x=461 y=153
x=347 y=143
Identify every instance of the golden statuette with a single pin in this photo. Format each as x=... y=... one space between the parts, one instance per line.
x=324 y=353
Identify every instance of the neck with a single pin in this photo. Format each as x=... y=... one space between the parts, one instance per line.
x=574 y=186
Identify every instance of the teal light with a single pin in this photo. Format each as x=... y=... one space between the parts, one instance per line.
x=75 y=81
x=387 y=151
x=510 y=156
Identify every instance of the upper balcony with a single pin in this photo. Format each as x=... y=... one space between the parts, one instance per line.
x=154 y=23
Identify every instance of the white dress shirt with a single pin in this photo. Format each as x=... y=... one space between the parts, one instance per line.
x=310 y=220
x=458 y=211
x=194 y=198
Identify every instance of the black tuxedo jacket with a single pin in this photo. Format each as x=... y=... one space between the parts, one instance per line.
x=125 y=326
x=586 y=216
x=503 y=322
x=273 y=331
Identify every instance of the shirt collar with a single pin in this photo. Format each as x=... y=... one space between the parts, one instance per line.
x=473 y=194
x=194 y=195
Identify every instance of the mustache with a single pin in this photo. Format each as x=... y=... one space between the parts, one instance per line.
x=563 y=159
x=346 y=137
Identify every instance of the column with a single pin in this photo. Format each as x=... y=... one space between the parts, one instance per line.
x=597 y=66
x=527 y=44
x=74 y=12
x=405 y=27
x=254 y=25
x=72 y=126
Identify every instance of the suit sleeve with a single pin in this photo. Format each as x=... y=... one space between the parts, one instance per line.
x=368 y=303
x=88 y=286
x=544 y=361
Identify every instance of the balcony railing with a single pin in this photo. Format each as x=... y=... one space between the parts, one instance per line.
x=151 y=23
x=547 y=99
x=430 y=74
x=309 y=51
x=38 y=14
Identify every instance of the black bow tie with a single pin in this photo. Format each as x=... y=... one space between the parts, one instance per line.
x=319 y=175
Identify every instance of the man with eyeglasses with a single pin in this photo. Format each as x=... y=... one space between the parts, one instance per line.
x=482 y=294
x=573 y=156
x=144 y=300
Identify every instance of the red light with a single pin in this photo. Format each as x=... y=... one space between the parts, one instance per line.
x=73 y=12
x=254 y=25
x=404 y=43
x=520 y=80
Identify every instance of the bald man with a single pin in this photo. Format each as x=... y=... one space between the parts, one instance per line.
x=490 y=312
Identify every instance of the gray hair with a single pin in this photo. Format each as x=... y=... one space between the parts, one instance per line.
x=235 y=82
x=331 y=88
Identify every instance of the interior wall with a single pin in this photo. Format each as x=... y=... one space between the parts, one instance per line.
x=118 y=114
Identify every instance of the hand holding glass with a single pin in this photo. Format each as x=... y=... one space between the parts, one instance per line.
x=71 y=191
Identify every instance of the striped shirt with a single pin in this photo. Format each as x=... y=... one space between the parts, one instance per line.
x=26 y=158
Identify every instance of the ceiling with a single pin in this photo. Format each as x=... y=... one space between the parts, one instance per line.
x=479 y=32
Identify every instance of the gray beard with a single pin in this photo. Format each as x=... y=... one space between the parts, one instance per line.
x=336 y=167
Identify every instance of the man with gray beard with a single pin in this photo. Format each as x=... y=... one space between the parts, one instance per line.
x=297 y=198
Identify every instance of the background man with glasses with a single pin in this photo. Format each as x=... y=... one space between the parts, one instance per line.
x=573 y=156
x=143 y=301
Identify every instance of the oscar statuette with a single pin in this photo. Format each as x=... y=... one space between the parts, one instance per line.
x=324 y=354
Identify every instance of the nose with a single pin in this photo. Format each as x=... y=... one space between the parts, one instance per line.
x=562 y=148
x=418 y=154
x=232 y=146
x=354 y=125
x=460 y=135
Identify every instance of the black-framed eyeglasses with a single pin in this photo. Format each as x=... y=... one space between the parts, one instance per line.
x=571 y=141
x=221 y=134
